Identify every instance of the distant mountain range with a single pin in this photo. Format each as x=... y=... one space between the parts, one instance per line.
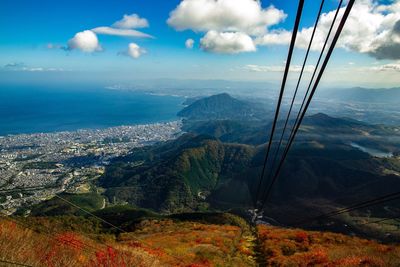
x=359 y=94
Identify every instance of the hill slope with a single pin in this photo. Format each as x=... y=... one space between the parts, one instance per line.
x=176 y=176
x=182 y=242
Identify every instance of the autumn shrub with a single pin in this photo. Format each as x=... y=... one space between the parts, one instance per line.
x=293 y=247
x=301 y=237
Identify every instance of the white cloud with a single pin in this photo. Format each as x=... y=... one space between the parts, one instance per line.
x=134 y=51
x=132 y=21
x=371 y=28
x=278 y=37
x=246 y=16
x=125 y=27
x=189 y=43
x=392 y=67
x=229 y=25
x=14 y=65
x=20 y=66
x=85 y=41
x=121 y=32
x=293 y=68
x=88 y=42
x=227 y=42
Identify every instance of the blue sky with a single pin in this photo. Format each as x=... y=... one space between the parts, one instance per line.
x=35 y=35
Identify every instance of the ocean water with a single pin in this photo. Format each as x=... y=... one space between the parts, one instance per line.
x=37 y=109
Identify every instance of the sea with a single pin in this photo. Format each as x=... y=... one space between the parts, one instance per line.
x=37 y=109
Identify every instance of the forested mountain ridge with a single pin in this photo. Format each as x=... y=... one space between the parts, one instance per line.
x=180 y=178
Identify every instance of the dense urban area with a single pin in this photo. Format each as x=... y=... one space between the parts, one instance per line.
x=34 y=167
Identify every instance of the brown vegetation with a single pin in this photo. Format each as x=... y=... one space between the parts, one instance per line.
x=154 y=243
x=293 y=247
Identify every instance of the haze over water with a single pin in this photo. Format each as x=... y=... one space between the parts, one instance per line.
x=34 y=109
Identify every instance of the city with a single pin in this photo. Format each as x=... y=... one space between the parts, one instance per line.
x=34 y=167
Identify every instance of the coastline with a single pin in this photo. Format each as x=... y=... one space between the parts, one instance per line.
x=35 y=167
x=30 y=110
x=94 y=129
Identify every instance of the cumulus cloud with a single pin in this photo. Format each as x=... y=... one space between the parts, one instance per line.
x=132 y=21
x=293 y=68
x=134 y=51
x=189 y=43
x=371 y=28
x=85 y=41
x=126 y=27
x=121 y=32
x=229 y=25
x=227 y=42
x=88 y=42
x=224 y=15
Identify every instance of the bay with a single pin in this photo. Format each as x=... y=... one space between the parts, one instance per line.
x=25 y=109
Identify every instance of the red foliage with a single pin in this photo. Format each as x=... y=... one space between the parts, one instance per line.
x=319 y=256
x=155 y=251
x=70 y=240
x=358 y=261
x=135 y=244
x=112 y=254
x=312 y=258
x=301 y=237
x=108 y=258
x=101 y=258
x=12 y=226
x=202 y=263
x=48 y=258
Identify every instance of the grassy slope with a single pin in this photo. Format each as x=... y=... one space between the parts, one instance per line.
x=76 y=241
x=55 y=206
x=182 y=240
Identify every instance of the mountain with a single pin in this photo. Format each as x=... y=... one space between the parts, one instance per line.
x=231 y=131
x=314 y=127
x=221 y=106
x=323 y=120
x=322 y=172
x=176 y=176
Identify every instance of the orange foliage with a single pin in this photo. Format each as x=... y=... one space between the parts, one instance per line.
x=301 y=237
x=154 y=243
x=108 y=257
x=291 y=247
x=359 y=261
x=69 y=239
x=64 y=249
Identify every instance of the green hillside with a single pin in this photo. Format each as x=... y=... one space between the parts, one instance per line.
x=180 y=178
